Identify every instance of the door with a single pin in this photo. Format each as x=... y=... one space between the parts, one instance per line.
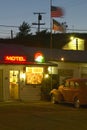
x=14 y=86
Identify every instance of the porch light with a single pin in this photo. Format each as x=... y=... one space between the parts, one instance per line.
x=46 y=76
x=62 y=58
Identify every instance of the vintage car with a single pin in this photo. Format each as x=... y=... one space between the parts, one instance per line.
x=73 y=90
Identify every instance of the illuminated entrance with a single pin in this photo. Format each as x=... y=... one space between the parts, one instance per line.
x=1 y=85
x=14 y=87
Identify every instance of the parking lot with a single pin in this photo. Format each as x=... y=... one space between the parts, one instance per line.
x=41 y=115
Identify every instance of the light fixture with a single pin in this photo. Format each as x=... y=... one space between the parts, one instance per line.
x=22 y=77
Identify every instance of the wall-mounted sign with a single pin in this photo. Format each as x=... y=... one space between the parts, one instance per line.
x=38 y=57
x=15 y=58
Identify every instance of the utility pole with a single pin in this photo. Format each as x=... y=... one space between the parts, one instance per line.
x=11 y=34
x=39 y=19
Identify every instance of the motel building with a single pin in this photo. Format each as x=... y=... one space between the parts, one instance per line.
x=20 y=74
x=22 y=69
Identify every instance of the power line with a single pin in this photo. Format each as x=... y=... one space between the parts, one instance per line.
x=79 y=30
x=74 y=3
x=9 y=26
x=10 y=32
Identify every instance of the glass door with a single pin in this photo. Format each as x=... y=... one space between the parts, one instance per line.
x=14 y=86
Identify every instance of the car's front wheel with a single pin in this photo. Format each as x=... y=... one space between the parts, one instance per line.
x=76 y=103
x=53 y=99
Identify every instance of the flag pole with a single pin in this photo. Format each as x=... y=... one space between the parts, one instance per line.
x=50 y=26
x=51 y=39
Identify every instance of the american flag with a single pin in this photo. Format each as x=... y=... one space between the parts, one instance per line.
x=56 y=11
x=57 y=26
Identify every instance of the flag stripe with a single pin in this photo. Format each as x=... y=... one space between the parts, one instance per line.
x=56 y=11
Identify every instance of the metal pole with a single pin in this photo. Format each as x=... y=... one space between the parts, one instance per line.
x=11 y=34
x=51 y=46
x=50 y=26
x=76 y=43
x=39 y=22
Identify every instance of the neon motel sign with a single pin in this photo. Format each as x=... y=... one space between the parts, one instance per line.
x=15 y=58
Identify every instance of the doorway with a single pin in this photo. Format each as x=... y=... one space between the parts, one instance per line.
x=14 y=86
x=1 y=85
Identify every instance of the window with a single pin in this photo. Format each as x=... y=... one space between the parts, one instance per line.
x=66 y=84
x=85 y=83
x=76 y=84
x=34 y=75
x=72 y=84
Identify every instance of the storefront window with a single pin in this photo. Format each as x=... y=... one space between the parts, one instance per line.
x=34 y=75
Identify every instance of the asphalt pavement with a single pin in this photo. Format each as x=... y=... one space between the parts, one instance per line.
x=41 y=115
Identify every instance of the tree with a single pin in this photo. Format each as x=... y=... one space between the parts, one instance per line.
x=24 y=30
x=43 y=32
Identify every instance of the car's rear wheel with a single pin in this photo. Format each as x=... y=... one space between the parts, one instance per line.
x=53 y=99
x=76 y=103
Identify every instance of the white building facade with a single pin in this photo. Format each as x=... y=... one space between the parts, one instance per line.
x=20 y=79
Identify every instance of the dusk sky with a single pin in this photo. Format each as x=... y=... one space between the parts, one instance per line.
x=14 y=12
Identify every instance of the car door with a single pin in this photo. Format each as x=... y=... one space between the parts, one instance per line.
x=65 y=90
x=68 y=91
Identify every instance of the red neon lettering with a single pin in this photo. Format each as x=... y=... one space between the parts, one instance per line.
x=15 y=58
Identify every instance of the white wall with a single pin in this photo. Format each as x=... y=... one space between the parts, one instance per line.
x=72 y=44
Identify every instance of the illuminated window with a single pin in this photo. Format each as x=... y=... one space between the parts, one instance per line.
x=34 y=75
